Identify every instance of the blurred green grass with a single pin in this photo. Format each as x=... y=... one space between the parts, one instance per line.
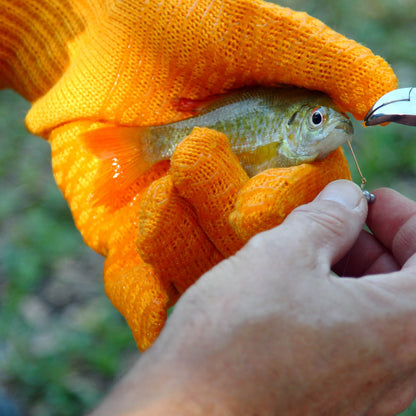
x=61 y=341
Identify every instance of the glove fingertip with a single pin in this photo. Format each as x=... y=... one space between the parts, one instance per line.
x=268 y=198
x=200 y=157
x=209 y=176
x=137 y=292
x=170 y=238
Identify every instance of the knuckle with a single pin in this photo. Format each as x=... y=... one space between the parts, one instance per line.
x=329 y=220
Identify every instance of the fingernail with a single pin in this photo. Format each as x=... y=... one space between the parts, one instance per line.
x=344 y=192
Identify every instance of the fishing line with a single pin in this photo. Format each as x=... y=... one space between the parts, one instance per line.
x=368 y=195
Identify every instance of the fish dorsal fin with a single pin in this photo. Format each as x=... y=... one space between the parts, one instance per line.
x=124 y=158
x=196 y=107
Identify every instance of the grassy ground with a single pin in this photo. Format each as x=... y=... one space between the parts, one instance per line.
x=61 y=342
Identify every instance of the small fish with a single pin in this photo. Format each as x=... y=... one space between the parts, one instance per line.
x=267 y=128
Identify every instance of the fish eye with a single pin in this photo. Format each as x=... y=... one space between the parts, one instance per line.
x=317 y=117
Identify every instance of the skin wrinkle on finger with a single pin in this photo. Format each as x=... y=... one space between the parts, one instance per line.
x=389 y=201
x=374 y=257
x=367 y=256
x=383 y=263
x=335 y=220
x=273 y=248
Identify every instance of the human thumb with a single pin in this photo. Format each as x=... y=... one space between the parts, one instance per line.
x=324 y=230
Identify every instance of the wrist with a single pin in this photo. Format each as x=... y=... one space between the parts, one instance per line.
x=177 y=376
x=155 y=387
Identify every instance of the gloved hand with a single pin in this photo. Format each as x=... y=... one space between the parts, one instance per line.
x=105 y=63
x=206 y=208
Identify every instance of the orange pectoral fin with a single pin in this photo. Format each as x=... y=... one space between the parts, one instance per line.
x=123 y=161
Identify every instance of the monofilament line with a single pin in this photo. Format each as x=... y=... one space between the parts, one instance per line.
x=363 y=179
x=368 y=195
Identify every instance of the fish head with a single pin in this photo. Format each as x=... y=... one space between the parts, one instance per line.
x=319 y=129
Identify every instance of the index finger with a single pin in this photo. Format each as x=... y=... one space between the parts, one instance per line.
x=392 y=219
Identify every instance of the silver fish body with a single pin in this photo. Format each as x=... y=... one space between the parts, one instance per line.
x=267 y=127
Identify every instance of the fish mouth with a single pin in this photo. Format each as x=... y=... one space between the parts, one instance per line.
x=346 y=126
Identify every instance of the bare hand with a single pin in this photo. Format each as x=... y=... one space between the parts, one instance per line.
x=273 y=331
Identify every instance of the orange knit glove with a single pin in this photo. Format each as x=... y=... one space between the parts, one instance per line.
x=207 y=208
x=88 y=63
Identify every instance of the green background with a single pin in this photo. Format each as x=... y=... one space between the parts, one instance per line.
x=61 y=342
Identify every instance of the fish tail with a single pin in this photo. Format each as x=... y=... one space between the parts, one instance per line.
x=124 y=158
